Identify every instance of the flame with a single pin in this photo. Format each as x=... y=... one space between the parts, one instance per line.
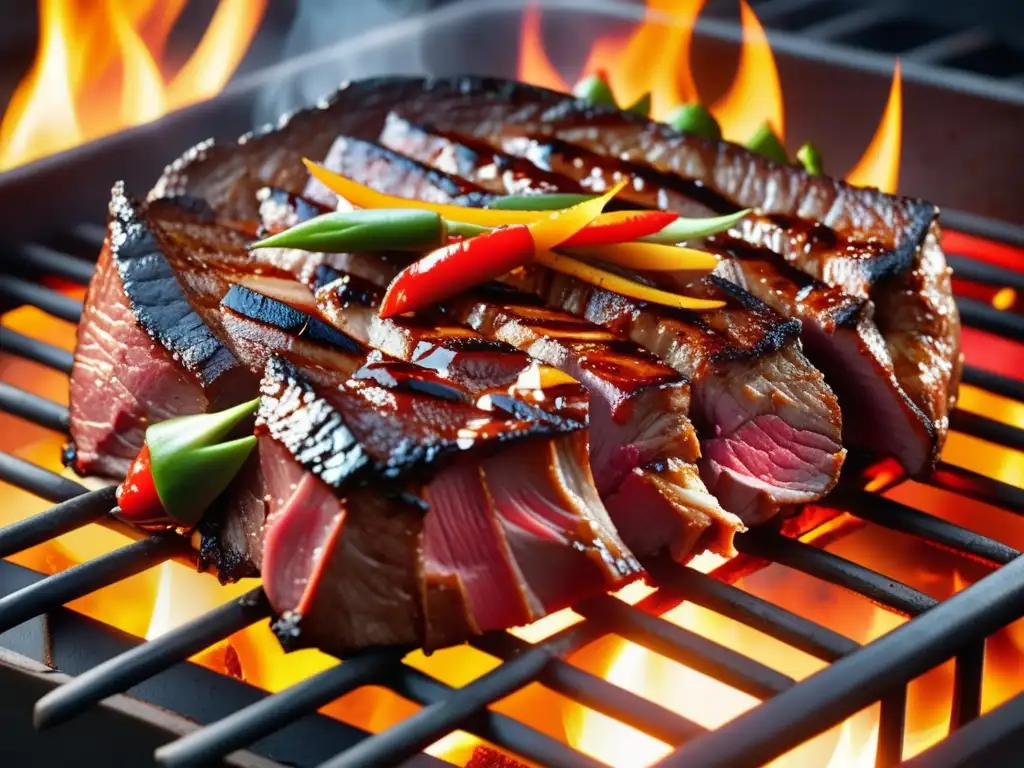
x=100 y=67
x=1004 y=298
x=534 y=65
x=756 y=93
x=879 y=166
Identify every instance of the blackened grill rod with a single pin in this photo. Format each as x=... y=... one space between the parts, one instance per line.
x=979 y=314
x=56 y=521
x=46 y=260
x=14 y=343
x=241 y=728
x=449 y=709
x=891 y=514
x=120 y=673
x=994 y=382
x=41 y=482
x=597 y=693
x=31 y=407
x=52 y=302
x=966 y=268
x=976 y=486
x=686 y=647
x=80 y=580
x=988 y=429
x=834 y=569
x=857 y=680
x=967 y=680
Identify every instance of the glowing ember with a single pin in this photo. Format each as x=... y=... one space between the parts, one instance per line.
x=879 y=166
x=756 y=93
x=99 y=69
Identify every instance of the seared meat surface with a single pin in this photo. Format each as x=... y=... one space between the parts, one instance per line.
x=424 y=478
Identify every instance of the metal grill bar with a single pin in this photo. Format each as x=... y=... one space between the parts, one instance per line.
x=997 y=734
x=987 y=429
x=41 y=482
x=15 y=343
x=979 y=314
x=970 y=667
x=966 y=268
x=598 y=694
x=46 y=260
x=686 y=647
x=836 y=570
x=976 y=486
x=30 y=407
x=142 y=662
x=20 y=291
x=891 y=721
x=899 y=517
x=449 y=709
x=275 y=712
x=759 y=614
x=81 y=580
x=853 y=682
x=56 y=521
x=994 y=382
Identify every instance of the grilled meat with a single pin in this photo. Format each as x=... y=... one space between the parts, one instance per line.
x=758 y=459
x=144 y=353
x=641 y=439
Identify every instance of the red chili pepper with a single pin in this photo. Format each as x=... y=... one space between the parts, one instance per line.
x=620 y=227
x=457 y=267
x=137 y=497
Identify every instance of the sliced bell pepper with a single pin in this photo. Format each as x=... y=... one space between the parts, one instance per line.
x=652 y=257
x=370 y=229
x=456 y=268
x=461 y=265
x=681 y=230
x=542 y=202
x=619 y=284
x=621 y=227
x=183 y=467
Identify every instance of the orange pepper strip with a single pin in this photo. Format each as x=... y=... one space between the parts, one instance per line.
x=622 y=285
x=653 y=257
x=562 y=225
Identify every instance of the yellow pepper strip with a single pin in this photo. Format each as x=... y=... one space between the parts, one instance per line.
x=652 y=257
x=621 y=285
x=559 y=226
x=365 y=197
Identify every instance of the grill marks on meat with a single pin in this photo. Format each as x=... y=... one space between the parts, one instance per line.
x=838 y=328
x=144 y=346
x=507 y=529
x=704 y=348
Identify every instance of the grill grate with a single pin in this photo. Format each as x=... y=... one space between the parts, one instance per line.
x=791 y=711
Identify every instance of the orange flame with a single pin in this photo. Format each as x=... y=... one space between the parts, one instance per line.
x=879 y=166
x=756 y=93
x=99 y=68
x=534 y=65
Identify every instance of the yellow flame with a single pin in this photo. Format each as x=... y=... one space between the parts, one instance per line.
x=879 y=166
x=756 y=93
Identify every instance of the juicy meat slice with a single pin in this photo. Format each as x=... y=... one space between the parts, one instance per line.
x=452 y=542
x=494 y=171
x=144 y=346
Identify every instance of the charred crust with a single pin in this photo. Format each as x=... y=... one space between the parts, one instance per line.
x=157 y=299
x=287 y=628
x=309 y=427
x=229 y=565
x=776 y=331
x=263 y=309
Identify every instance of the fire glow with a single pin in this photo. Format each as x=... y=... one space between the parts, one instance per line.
x=157 y=601
x=99 y=68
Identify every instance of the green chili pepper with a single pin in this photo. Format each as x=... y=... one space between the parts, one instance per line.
x=595 y=89
x=681 y=229
x=810 y=156
x=695 y=118
x=189 y=464
x=642 y=106
x=765 y=143
x=548 y=202
x=370 y=229
x=462 y=229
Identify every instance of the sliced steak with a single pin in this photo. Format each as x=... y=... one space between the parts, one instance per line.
x=640 y=433
x=144 y=346
x=404 y=517
x=754 y=449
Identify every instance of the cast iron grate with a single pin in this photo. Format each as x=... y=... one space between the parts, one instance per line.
x=791 y=712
